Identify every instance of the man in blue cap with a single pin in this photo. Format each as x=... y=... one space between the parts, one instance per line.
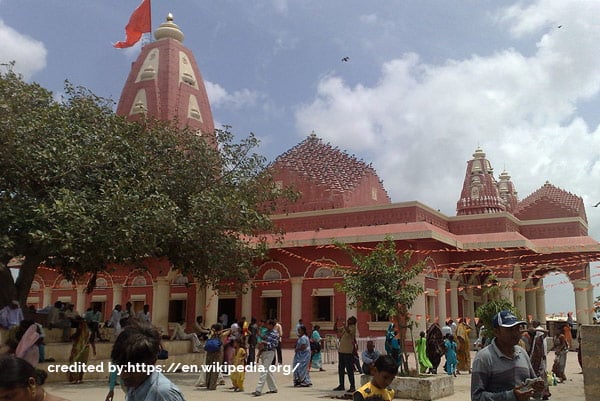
x=501 y=370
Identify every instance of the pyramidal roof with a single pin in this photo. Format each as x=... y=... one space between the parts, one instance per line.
x=324 y=164
x=563 y=203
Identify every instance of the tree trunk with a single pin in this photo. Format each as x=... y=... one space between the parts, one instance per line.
x=402 y=319
x=8 y=290
x=25 y=278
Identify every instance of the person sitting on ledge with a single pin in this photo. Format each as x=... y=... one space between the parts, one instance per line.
x=180 y=334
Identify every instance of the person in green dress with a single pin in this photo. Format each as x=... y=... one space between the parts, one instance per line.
x=424 y=362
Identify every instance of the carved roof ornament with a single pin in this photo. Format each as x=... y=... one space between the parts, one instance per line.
x=169 y=29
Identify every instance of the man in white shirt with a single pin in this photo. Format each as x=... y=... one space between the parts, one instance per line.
x=144 y=315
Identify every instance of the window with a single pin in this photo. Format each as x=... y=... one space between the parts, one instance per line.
x=380 y=317
x=270 y=308
x=323 y=272
x=137 y=305
x=101 y=305
x=322 y=308
x=177 y=310
x=272 y=274
x=139 y=281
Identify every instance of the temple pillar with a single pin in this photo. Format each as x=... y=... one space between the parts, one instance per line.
x=247 y=301
x=200 y=302
x=453 y=299
x=80 y=301
x=531 y=303
x=506 y=289
x=161 y=295
x=296 y=309
x=442 y=311
x=469 y=306
x=117 y=295
x=582 y=309
x=540 y=295
x=418 y=312
x=46 y=297
x=520 y=302
x=211 y=306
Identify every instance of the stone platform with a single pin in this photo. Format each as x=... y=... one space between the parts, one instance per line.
x=422 y=388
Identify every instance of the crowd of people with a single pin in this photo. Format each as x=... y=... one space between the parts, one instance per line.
x=508 y=345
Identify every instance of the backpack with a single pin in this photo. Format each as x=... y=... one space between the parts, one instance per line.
x=212 y=345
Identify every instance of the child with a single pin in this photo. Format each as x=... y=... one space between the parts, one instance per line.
x=239 y=360
x=451 y=360
x=384 y=370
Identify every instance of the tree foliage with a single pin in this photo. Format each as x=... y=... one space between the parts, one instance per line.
x=382 y=282
x=82 y=189
x=486 y=312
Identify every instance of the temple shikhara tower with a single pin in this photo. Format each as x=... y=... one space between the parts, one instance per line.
x=165 y=83
x=493 y=238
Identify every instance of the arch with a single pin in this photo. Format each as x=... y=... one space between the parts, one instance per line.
x=272 y=265
x=136 y=277
x=324 y=265
x=62 y=282
x=103 y=280
x=272 y=274
x=180 y=279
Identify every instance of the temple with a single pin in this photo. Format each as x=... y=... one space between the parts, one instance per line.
x=493 y=239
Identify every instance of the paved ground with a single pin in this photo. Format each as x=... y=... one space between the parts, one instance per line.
x=323 y=383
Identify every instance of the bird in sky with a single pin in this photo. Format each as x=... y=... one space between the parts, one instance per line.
x=597 y=204
x=345 y=59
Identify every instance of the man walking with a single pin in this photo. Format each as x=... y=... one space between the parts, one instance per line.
x=267 y=346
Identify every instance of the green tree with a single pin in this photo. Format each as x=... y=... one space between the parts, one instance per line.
x=82 y=189
x=496 y=303
x=382 y=282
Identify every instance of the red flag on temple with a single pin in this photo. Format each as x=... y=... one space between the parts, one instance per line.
x=139 y=23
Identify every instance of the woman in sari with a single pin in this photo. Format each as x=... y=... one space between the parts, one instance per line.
x=435 y=346
x=302 y=359
x=80 y=352
x=214 y=357
x=317 y=357
x=561 y=349
x=463 y=354
x=389 y=335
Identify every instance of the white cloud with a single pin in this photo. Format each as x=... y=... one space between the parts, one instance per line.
x=368 y=19
x=420 y=122
x=219 y=97
x=280 y=6
x=29 y=54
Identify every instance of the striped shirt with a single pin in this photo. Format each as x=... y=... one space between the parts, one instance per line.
x=495 y=375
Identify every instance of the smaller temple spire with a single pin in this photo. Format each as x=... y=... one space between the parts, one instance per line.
x=480 y=190
x=507 y=192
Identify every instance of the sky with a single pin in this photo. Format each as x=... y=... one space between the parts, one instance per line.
x=425 y=83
